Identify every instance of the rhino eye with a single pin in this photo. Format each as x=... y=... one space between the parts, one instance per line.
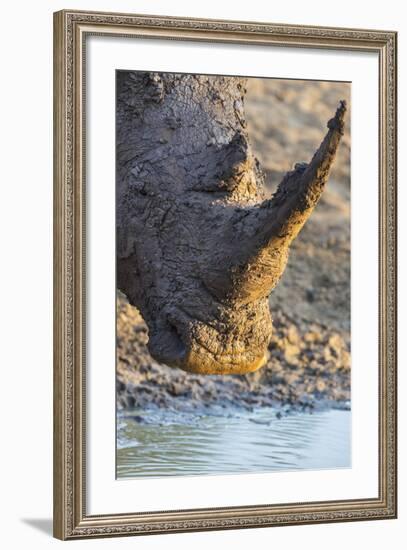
x=226 y=165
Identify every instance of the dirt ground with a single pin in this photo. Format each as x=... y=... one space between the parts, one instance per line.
x=309 y=354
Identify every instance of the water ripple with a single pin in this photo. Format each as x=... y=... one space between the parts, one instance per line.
x=170 y=443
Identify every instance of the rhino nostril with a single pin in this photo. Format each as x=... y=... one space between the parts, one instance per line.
x=167 y=346
x=175 y=335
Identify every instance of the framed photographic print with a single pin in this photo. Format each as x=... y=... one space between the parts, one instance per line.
x=225 y=274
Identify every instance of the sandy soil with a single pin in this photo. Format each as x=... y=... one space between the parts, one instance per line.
x=309 y=362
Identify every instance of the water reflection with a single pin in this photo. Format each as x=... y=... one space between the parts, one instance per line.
x=170 y=443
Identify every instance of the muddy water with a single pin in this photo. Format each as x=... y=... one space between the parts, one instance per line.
x=164 y=443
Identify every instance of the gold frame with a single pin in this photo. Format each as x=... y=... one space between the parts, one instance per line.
x=70 y=519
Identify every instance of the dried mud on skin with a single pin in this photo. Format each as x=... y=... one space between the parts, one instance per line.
x=309 y=354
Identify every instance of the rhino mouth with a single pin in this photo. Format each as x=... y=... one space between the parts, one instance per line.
x=202 y=349
x=199 y=361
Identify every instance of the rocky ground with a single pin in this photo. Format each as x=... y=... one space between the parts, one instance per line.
x=309 y=354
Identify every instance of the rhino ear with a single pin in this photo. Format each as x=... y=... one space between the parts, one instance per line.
x=278 y=221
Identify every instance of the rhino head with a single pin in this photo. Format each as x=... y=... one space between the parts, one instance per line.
x=199 y=248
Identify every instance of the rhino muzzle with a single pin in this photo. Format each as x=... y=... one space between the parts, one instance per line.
x=219 y=346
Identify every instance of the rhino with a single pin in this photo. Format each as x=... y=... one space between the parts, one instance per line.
x=199 y=246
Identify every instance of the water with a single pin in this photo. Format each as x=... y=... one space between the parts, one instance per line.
x=170 y=443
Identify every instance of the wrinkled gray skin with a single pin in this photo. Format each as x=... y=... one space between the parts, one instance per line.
x=198 y=248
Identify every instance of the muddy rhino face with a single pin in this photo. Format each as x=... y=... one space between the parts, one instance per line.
x=198 y=248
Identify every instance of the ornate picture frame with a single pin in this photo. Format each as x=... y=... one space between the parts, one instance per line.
x=71 y=518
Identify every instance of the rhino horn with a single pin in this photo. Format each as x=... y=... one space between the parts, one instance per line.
x=276 y=222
